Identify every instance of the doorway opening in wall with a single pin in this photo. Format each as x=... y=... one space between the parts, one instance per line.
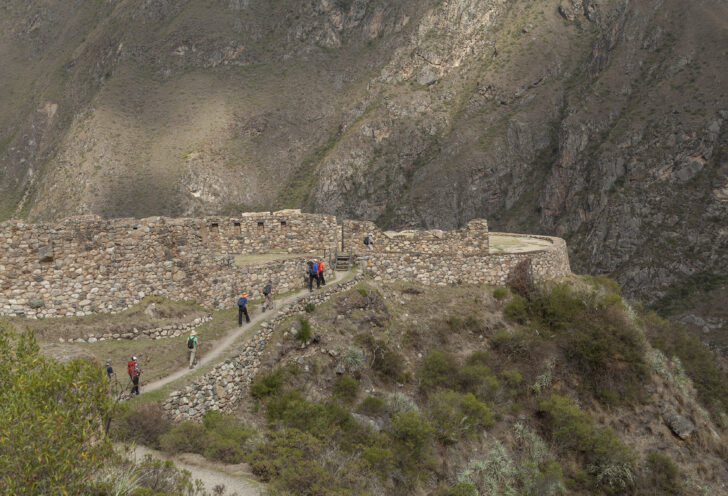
x=261 y=226
x=236 y=228
x=283 y=225
x=214 y=228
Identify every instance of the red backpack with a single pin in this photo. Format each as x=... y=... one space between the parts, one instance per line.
x=131 y=367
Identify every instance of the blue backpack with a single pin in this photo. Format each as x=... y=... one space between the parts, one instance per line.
x=314 y=269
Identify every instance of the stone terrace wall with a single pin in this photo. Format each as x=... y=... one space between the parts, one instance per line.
x=469 y=240
x=492 y=269
x=86 y=265
x=223 y=386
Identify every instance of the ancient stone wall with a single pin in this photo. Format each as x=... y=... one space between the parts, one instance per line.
x=489 y=268
x=86 y=265
x=469 y=240
x=222 y=387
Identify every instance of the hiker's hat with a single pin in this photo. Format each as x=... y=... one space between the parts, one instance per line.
x=133 y=358
x=245 y=295
x=193 y=333
x=370 y=234
x=108 y=360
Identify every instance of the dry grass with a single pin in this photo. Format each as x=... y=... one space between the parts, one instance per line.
x=516 y=244
x=167 y=312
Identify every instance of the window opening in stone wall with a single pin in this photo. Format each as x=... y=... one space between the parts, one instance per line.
x=236 y=227
x=283 y=225
x=261 y=226
x=214 y=228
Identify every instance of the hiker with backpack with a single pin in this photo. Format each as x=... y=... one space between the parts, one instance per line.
x=134 y=373
x=322 y=280
x=313 y=274
x=192 y=347
x=243 y=309
x=268 y=294
x=369 y=241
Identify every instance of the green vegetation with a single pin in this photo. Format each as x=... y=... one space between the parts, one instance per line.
x=663 y=477
x=599 y=339
x=500 y=293
x=610 y=462
x=698 y=360
x=53 y=416
x=683 y=294
x=304 y=332
x=456 y=415
x=346 y=388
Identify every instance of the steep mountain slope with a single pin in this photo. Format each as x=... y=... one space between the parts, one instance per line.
x=602 y=121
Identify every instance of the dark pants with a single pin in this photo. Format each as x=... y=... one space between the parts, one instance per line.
x=135 y=385
x=241 y=311
x=311 y=278
x=321 y=278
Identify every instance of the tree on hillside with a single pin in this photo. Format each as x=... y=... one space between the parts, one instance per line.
x=51 y=418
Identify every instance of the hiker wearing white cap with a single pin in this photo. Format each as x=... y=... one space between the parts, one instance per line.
x=192 y=347
x=369 y=241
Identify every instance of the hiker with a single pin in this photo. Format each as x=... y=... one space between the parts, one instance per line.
x=192 y=347
x=369 y=241
x=134 y=372
x=109 y=370
x=313 y=274
x=268 y=294
x=243 y=309
x=321 y=273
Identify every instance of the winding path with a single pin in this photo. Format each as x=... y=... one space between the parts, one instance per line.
x=225 y=344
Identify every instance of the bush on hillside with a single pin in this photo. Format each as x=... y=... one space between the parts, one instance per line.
x=697 y=359
x=438 y=370
x=346 y=388
x=412 y=442
x=388 y=363
x=53 y=416
x=304 y=332
x=463 y=489
x=142 y=423
x=268 y=384
x=662 y=476
x=500 y=294
x=185 y=437
x=609 y=461
x=372 y=406
x=456 y=416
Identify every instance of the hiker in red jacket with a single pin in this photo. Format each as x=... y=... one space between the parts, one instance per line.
x=133 y=369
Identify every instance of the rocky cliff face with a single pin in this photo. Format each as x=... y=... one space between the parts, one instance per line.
x=602 y=121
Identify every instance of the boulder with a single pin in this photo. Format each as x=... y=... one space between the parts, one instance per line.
x=681 y=426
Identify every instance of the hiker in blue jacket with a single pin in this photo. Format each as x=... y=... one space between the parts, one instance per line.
x=313 y=274
x=243 y=309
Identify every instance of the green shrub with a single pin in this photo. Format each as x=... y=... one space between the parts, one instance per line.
x=52 y=419
x=399 y=403
x=500 y=294
x=390 y=364
x=477 y=379
x=517 y=309
x=142 y=423
x=372 y=406
x=362 y=291
x=186 y=437
x=495 y=474
x=662 y=477
x=412 y=441
x=304 y=333
x=379 y=459
x=479 y=357
x=268 y=384
x=609 y=461
x=698 y=360
x=455 y=416
x=280 y=449
x=438 y=370
x=226 y=437
x=346 y=388
x=309 y=308
x=515 y=345
x=512 y=378
x=463 y=489
x=322 y=420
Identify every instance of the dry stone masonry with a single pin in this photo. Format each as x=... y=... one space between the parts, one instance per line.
x=167 y=331
x=88 y=265
x=227 y=383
